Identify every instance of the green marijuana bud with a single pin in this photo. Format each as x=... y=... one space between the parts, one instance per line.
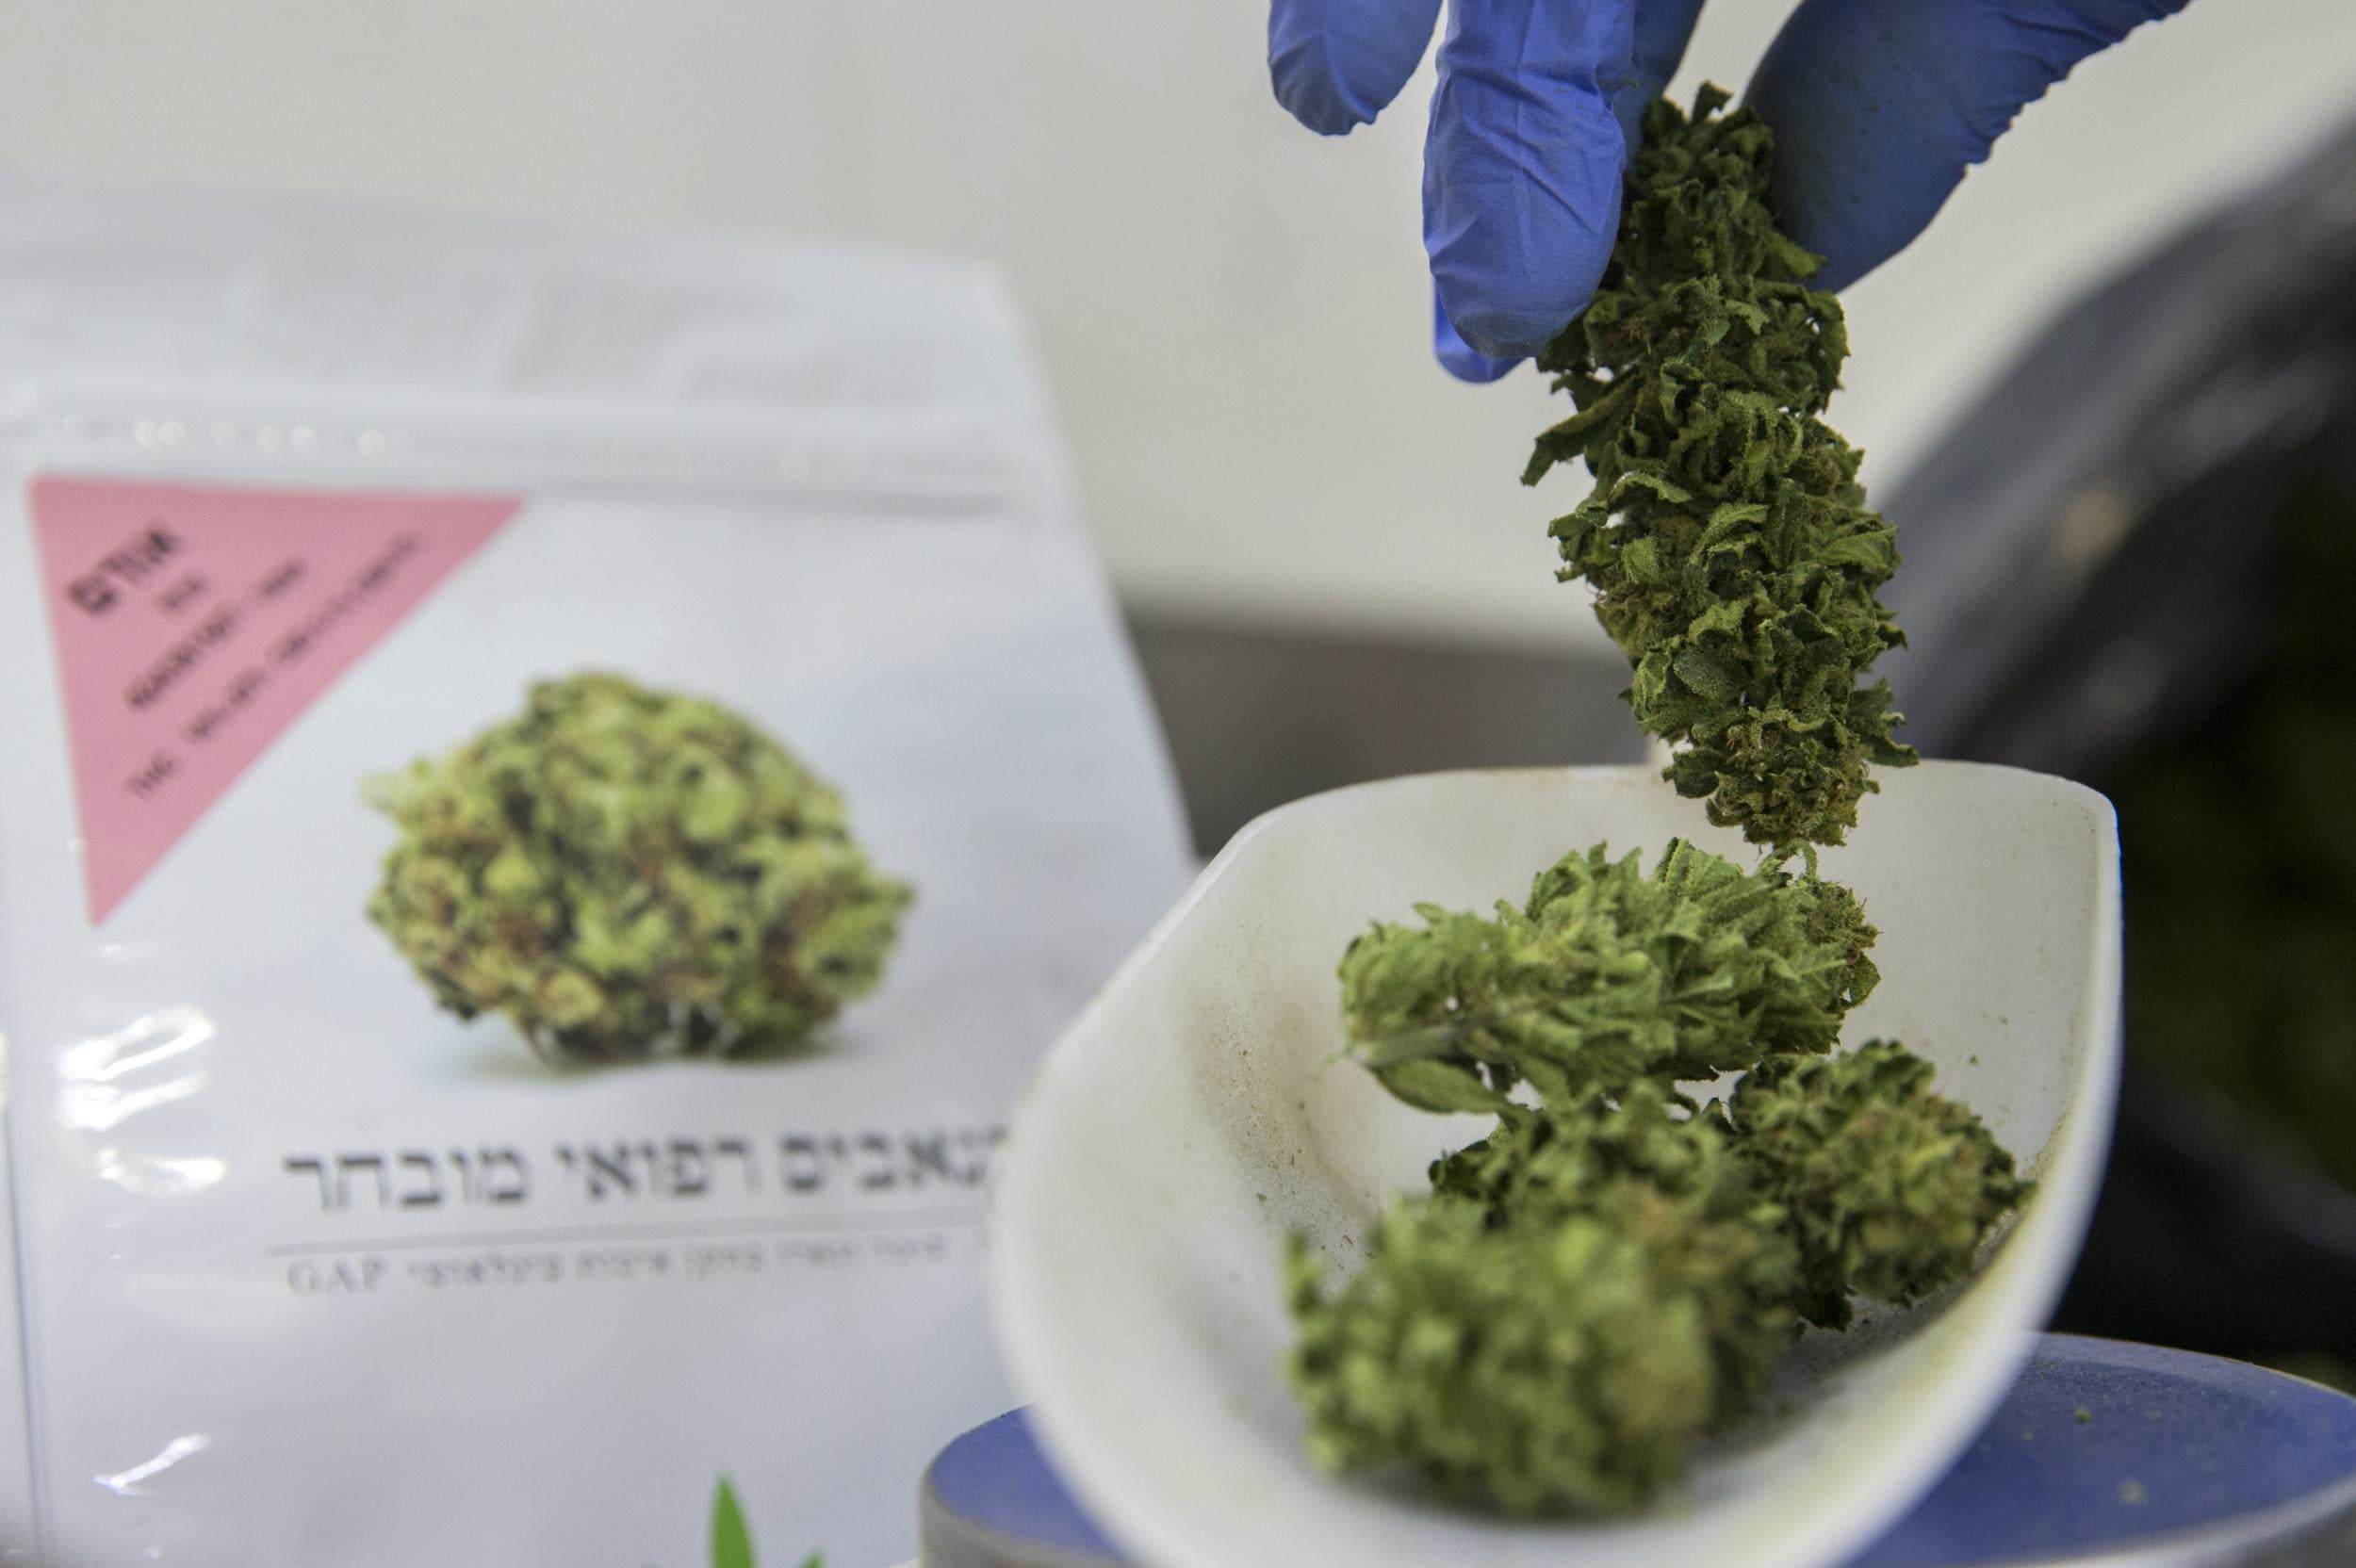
x=1587 y=1291
x=1583 y=1294
x=620 y=871
x=1889 y=1187
x=1739 y=576
x=1605 y=976
x=1614 y=1270
x=1534 y=1367
x=1646 y=1166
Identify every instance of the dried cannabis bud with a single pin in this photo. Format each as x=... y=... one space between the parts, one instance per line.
x=1888 y=1187
x=1739 y=576
x=1612 y=1272
x=1534 y=1368
x=1584 y=1294
x=1672 y=1180
x=621 y=870
x=1605 y=976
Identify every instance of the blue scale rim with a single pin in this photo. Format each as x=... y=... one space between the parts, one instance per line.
x=2177 y=1456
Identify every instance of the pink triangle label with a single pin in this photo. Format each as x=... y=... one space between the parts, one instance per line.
x=194 y=623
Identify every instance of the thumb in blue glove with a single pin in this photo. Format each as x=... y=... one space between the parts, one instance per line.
x=1877 y=107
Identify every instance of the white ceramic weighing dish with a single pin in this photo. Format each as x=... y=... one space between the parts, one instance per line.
x=1200 y=1110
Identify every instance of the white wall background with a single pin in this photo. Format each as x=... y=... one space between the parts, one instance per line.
x=1233 y=312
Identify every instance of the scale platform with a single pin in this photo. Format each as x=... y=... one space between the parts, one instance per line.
x=2178 y=1461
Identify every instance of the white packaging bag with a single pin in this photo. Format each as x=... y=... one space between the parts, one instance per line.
x=312 y=1273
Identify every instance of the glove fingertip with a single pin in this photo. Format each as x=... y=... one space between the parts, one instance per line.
x=1461 y=359
x=1311 y=94
x=1878 y=109
x=1502 y=308
x=1337 y=67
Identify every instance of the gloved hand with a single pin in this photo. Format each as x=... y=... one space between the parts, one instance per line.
x=1877 y=107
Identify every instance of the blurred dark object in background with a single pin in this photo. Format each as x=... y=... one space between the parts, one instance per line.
x=2134 y=562
x=2244 y=921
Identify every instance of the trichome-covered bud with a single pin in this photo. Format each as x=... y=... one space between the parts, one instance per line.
x=1533 y=1366
x=1583 y=1294
x=1605 y=976
x=1614 y=1270
x=621 y=870
x=1667 y=1174
x=1734 y=559
x=1890 y=1186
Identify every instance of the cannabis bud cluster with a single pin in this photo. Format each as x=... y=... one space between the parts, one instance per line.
x=1731 y=551
x=622 y=870
x=1611 y=1273
x=1606 y=977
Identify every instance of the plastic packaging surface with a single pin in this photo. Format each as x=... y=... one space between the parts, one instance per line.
x=317 y=1271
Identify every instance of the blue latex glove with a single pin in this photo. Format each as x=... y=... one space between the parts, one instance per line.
x=1877 y=107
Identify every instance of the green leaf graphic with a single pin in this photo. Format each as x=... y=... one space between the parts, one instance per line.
x=731 y=1542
